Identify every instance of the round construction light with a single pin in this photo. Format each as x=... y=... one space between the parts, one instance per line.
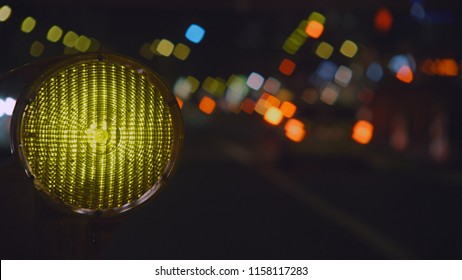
x=98 y=133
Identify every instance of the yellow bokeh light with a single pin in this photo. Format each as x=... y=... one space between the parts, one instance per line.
x=82 y=44
x=70 y=39
x=153 y=46
x=165 y=47
x=349 y=48
x=284 y=95
x=317 y=17
x=36 y=49
x=273 y=116
x=324 y=50
x=181 y=51
x=94 y=46
x=5 y=13
x=193 y=82
x=28 y=24
x=214 y=86
x=54 y=34
x=145 y=51
x=210 y=84
x=294 y=42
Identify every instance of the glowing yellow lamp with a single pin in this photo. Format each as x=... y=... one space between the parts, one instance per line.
x=98 y=133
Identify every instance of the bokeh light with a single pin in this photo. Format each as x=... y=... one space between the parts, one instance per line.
x=273 y=116
x=145 y=51
x=285 y=94
x=314 y=29
x=7 y=106
x=288 y=109
x=248 y=106
x=214 y=86
x=182 y=88
x=293 y=43
x=272 y=85
x=94 y=45
x=207 y=105
x=255 y=81
x=349 y=49
x=287 y=67
x=236 y=92
x=383 y=20
x=36 y=49
x=82 y=44
x=70 y=39
x=181 y=51
x=442 y=67
x=165 y=47
x=329 y=94
x=28 y=24
x=326 y=70
x=316 y=16
x=5 y=13
x=374 y=72
x=195 y=33
x=185 y=87
x=54 y=34
x=398 y=61
x=265 y=102
x=180 y=102
x=324 y=50
x=417 y=11
x=404 y=74
x=343 y=76
x=362 y=132
x=295 y=130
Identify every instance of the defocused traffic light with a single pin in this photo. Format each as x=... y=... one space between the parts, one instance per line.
x=98 y=133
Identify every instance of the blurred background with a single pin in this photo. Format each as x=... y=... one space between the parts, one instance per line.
x=314 y=129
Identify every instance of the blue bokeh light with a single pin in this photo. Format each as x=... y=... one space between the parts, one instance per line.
x=374 y=72
x=195 y=33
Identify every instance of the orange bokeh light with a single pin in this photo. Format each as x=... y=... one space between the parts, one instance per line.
x=273 y=116
x=295 y=130
x=427 y=67
x=314 y=29
x=287 y=67
x=404 y=74
x=207 y=105
x=265 y=102
x=180 y=102
x=288 y=109
x=441 y=67
x=362 y=132
x=447 y=67
x=383 y=20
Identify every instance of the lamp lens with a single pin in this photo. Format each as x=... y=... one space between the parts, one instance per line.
x=97 y=135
